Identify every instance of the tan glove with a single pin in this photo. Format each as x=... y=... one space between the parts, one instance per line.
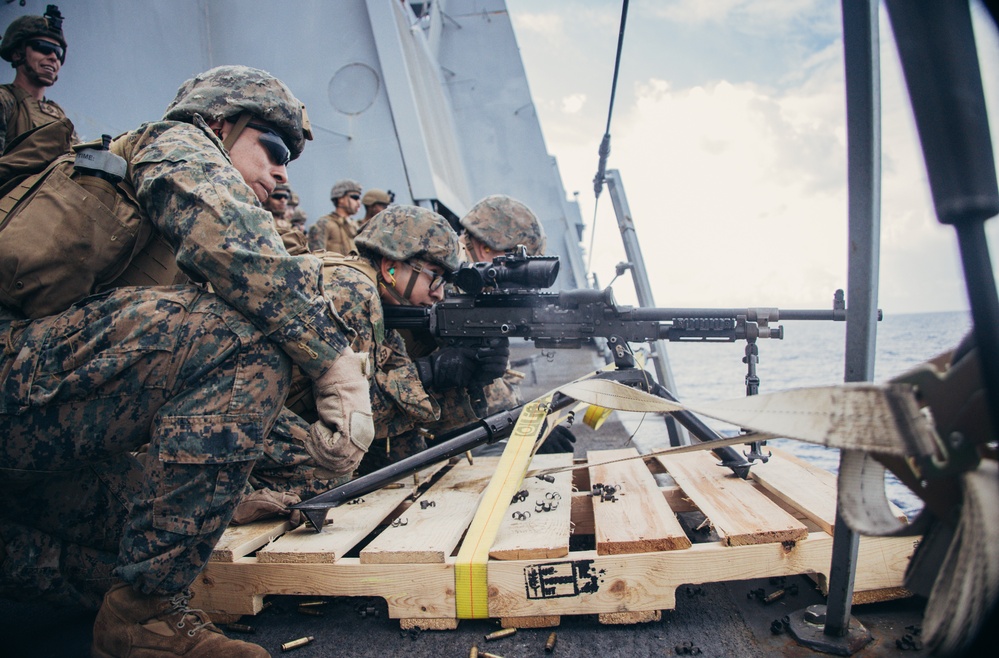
x=345 y=428
x=264 y=503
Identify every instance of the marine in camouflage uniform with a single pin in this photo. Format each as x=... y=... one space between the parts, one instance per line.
x=494 y=226
x=408 y=404
x=199 y=377
x=22 y=103
x=335 y=232
x=277 y=205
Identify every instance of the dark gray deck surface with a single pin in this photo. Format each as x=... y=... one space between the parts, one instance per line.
x=716 y=619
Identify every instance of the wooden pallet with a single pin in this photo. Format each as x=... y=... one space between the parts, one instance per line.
x=400 y=543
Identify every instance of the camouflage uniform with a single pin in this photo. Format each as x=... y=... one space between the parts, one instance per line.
x=200 y=376
x=403 y=410
x=405 y=413
x=502 y=223
x=333 y=233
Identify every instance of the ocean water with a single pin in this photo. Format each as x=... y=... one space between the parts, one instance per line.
x=811 y=354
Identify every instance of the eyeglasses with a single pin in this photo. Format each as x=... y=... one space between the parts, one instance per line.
x=47 y=48
x=276 y=148
x=355 y=197
x=437 y=279
x=281 y=195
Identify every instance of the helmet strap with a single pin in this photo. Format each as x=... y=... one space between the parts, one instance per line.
x=414 y=274
x=392 y=292
x=237 y=129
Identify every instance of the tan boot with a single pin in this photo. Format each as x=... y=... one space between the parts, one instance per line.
x=144 y=626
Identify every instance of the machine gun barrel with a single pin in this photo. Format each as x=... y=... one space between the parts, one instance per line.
x=569 y=318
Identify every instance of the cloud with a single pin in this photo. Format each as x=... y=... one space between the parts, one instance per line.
x=548 y=24
x=736 y=185
x=768 y=17
x=573 y=104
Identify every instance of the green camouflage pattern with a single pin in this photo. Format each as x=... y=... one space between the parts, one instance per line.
x=406 y=232
x=23 y=28
x=227 y=91
x=403 y=410
x=198 y=377
x=69 y=561
x=334 y=234
x=502 y=394
x=61 y=559
x=344 y=186
x=199 y=202
x=285 y=466
x=175 y=368
x=501 y=223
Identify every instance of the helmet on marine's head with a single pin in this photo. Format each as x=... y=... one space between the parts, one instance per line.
x=225 y=92
x=373 y=196
x=342 y=187
x=405 y=232
x=501 y=223
x=23 y=28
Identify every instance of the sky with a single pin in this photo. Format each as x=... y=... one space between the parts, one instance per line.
x=729 y=134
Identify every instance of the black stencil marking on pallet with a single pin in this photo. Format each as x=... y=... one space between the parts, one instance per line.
x=561 y=579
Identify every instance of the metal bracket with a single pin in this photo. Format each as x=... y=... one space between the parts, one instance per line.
x=809 y=630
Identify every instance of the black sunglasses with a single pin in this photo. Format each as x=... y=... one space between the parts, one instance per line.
x=46 y=48
x=280 y=195
x=355 y=197
x=276 y=148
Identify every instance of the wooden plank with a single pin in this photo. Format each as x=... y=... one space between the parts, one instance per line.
x=582 y=513
x=582 y=507
x=740 y=513
x=540 y=534
x=241 y=540
x=635 y=617
x=806 y=487
x=440 y=624
x=596 y=584
x=346 y=525
x=546 y=621
x=429 y=534
x=589 y=583
x=639 y=520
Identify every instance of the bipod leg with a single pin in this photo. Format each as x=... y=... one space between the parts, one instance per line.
x=316 y=516
x=627 y=373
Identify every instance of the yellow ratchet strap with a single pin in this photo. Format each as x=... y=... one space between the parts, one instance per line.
x=471 y=578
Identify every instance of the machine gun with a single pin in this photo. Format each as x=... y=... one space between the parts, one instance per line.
x=502 y=300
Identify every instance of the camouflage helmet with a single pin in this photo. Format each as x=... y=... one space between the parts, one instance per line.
x=23 y=28
x=224 y=92
x=345 y=186
x=405 y=232
x=282 y=187
x=501 y=223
